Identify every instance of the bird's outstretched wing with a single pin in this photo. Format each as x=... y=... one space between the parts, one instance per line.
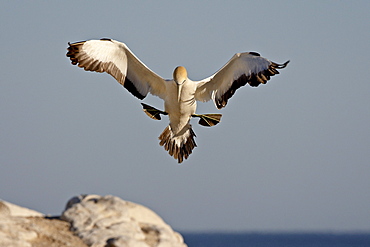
x=242 y=68
x=115 y=58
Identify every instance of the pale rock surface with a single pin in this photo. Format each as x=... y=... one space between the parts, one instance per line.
x=97 y=221
x=108 y=221
x=22 y=227
x=15 y=210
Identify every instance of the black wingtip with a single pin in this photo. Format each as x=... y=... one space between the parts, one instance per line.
x=281 y=66
x=106 y=39
x=254 y=53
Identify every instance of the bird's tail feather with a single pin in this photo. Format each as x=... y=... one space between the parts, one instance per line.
x=179 y=146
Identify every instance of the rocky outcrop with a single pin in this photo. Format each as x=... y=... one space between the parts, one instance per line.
x=108 y=221
x=7 y=208
x=22 y=227
x=89 y=220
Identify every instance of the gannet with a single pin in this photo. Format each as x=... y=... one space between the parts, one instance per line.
x=180 y=94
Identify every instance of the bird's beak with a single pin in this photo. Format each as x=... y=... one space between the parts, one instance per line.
x=179 y=87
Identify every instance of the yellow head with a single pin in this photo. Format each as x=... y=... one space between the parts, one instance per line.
x=180 y=75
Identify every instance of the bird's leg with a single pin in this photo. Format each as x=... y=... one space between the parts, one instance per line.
x=153 y=112
x=208 y=120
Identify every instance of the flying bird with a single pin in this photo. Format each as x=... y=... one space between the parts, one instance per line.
x=180 y=94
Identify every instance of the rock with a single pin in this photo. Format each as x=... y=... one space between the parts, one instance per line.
x=108 y=221
x=90 y=220
x=22 y=227
x=15 y=210
x=4 y=209
x=12 y=232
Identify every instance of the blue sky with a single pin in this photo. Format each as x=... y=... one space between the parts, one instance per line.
x=292 y=155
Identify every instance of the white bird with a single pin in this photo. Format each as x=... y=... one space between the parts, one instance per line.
x=179 y=94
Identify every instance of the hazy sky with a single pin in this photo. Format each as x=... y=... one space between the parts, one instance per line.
x=292 y=155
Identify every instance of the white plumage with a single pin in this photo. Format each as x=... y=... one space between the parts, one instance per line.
x=180 y=93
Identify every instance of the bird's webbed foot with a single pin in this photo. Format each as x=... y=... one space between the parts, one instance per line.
x=208 y=120
x=153 y=112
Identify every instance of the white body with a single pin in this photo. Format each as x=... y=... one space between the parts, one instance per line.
x=181 y=108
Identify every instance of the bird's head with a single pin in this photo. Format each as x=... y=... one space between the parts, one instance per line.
x=180 y=75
